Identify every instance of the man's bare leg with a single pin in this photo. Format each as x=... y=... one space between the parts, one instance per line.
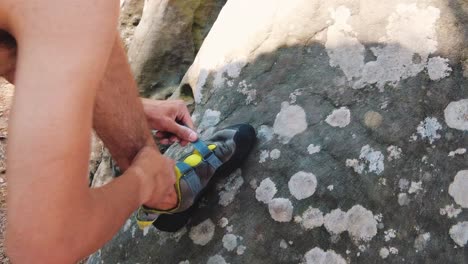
x=119 y=119
x=58 y=73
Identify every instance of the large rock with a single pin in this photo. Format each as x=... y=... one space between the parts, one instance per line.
x=361 y=111
x=165 y=41
x=130 y=17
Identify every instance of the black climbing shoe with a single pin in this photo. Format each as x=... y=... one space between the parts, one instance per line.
x=223 y=153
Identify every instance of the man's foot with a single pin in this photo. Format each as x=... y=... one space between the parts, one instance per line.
x=219 y=156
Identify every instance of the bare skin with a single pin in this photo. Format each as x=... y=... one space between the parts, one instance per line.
x=71 y=75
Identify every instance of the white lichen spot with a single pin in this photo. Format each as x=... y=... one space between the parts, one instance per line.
x=289 y=122
x=330 y=187
x=408 y=26
x=389 y=234
x=127 y=225
x=361 y=223
x=403 y=199
x=459 y=151
x=202 y=77
x=210 y=119
x=264 y=155
x=266 y=191
x=343 y=48
x=339 y=117
x=230 y=228
x=275 y=154
x=378 y=218
x=415 y=187
x=216 y=259
x=133 y=231
x=202 y=233
x=438 y=68
x=421 y=241
x=312 y=149
x=403 y=184
x=231 y=188
x=241 y=250
x=450 y=211
x=458 y=188
x=293 y=96
x=393 y=250
x=394 y=153
x=232 y=70
x=302 y=185
x=179 y=234
x=281 y=209
x=384 y=105
x=369 y=158
x=223 y=222
x=253 y=184
x=383 y=181
x=362 y=248
x=146 y=230
x=283 y=244
x=318 y=256
x=184 y=262
x=456 y=115
x=312 y=218
x=459 y=233
x=355 y=164
x=297 y=219
x=336 y=222
x=229 y=242
x=265 y=133
x=374 y=159
x=384 y=253
x=428 y=129
x=251 y=95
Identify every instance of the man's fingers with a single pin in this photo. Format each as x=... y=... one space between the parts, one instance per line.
x=184 y=115
x=173 y=139
x=164 y=141
x=182 y=132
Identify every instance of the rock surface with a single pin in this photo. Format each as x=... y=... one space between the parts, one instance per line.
x=166 y=40
x=382 y=171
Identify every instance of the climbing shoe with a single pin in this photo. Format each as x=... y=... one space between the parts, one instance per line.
x=216 y=157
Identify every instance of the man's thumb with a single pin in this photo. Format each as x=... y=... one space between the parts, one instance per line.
x=185 y=133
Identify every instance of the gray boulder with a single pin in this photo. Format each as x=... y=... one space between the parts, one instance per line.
x=165 y=42
x=361 y=111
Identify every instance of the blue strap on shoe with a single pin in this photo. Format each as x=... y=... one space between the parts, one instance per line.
x=190 y=177
x=207 y=154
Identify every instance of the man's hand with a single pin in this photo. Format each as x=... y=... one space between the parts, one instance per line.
x=158 y=178
x=172 y=120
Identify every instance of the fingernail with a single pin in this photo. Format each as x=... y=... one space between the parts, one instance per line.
x=192 y=136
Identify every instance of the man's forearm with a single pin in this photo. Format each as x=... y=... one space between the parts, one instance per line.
x=88 y=222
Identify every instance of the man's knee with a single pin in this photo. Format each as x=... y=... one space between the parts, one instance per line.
x=8 y=51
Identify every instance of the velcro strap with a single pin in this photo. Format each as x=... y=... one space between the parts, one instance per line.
x=207 y=154
x=202 y=148
x=213 y=161
x=183 y=167
x=190 y=177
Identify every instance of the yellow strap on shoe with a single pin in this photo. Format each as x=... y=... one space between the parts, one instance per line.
x=144 y=224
